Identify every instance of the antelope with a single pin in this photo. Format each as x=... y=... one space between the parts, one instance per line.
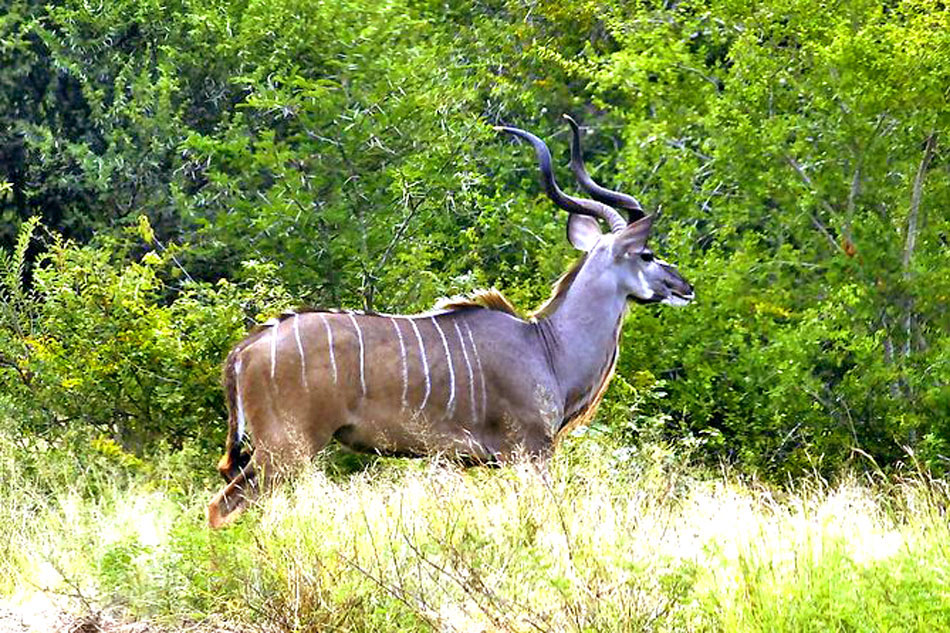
x=471 y=379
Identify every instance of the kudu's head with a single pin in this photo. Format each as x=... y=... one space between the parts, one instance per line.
x=621 y=254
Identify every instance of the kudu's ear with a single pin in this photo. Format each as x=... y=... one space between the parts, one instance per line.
x=634 y=236
x=583 y=231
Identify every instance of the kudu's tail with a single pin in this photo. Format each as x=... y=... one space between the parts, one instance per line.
x=235 y=458
x=236 y=466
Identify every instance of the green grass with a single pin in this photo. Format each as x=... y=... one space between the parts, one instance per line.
x=587 y=542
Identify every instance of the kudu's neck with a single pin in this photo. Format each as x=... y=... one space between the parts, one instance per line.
x=581 y=335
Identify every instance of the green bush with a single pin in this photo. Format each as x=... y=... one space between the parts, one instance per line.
x=102 y=342
x=797 y=156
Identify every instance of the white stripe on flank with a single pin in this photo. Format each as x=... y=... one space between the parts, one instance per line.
x=359 y=335
x=273 y=351
x=405 y=367
x=303 y=360
x=468 y=369
x=330 y=345
x=478 y=363
x=240 y=403
x=448 y=358
x=425 y=364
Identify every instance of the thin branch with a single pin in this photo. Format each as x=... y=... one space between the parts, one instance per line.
x=913 y=222
x=396 y=592
x=94 y=615
x=397 y=235
x=369 y=276
x=913 y=218
x=26 y=376
x=713 y=80
x=824 y=203
x=852 y=195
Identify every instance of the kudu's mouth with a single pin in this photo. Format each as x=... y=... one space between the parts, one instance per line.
x=677 y=299
x=678 y=293
x=672 y=299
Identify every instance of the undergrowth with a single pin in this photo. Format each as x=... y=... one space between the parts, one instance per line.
x=594 y=540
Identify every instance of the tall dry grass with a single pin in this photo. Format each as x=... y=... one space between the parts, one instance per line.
x=590 y=541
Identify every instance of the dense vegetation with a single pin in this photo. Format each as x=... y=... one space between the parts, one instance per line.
x=174 y=171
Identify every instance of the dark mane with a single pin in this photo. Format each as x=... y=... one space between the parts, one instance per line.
x=559 y=290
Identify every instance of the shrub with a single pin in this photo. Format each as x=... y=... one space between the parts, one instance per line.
x=114 y=341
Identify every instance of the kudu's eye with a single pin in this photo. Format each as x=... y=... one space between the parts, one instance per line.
x=647 y=256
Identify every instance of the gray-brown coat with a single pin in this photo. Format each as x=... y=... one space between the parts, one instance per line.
x=472 y=379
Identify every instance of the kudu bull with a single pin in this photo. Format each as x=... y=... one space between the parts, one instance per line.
x=471 y=379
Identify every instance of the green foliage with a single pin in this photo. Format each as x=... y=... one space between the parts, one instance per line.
x=343 y=152
x=793 y=151
x=105 y=344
